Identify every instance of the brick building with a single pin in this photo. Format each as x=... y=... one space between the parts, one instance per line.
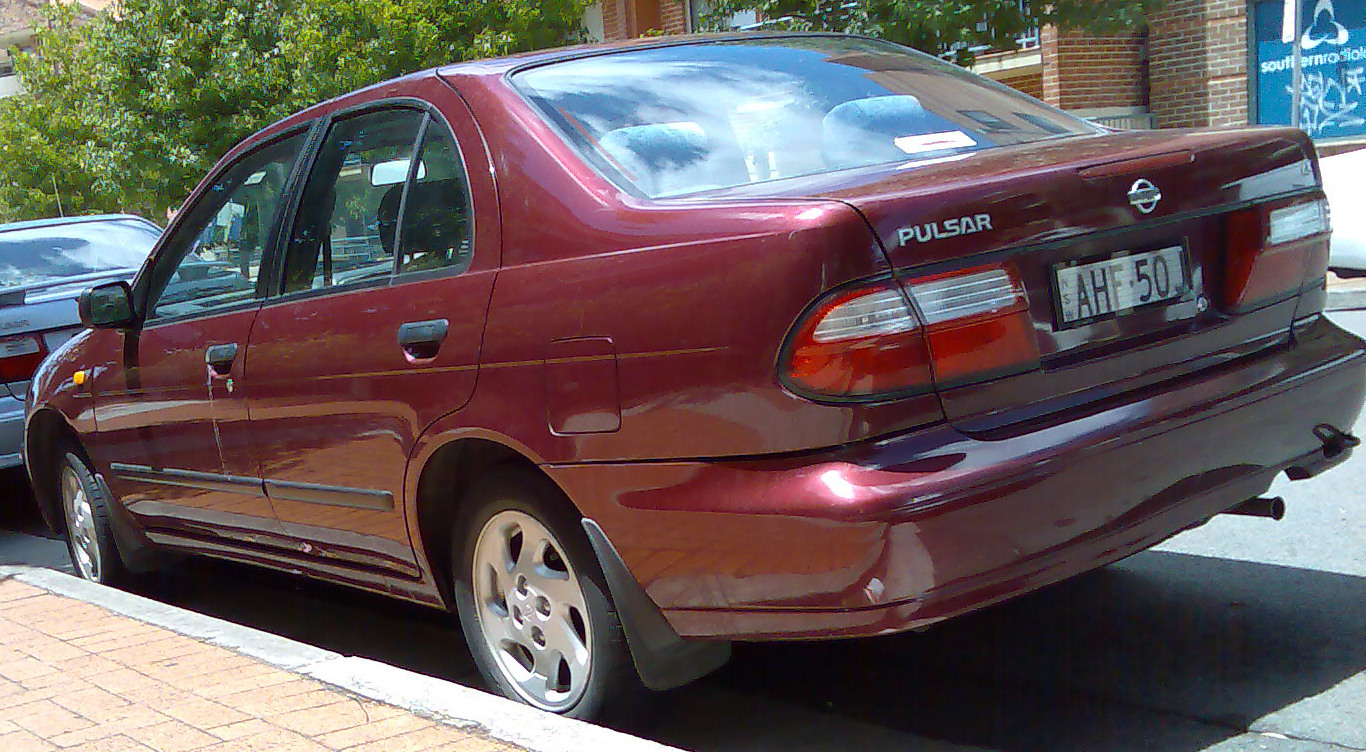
x=1189 y=68
x=1205 y=63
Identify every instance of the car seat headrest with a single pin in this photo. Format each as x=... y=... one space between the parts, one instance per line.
x=674 y=157
x=865 y=131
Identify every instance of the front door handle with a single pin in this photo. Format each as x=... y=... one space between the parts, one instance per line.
x=220 y=358
x=422 y=339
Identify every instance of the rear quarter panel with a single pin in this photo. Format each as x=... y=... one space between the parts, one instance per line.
x=695 y=297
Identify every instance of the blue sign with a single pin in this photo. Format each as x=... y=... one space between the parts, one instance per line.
x=1333 y=44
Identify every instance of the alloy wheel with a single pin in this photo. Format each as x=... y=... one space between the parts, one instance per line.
x=531 y=611
x=81 y=525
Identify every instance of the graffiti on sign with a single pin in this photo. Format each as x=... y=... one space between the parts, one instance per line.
x=1327 y=103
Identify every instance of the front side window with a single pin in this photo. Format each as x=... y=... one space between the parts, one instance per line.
x=219 y=249
x=696 y=117
x=348 y=215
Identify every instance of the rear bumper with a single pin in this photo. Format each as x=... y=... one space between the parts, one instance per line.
x=890 y=535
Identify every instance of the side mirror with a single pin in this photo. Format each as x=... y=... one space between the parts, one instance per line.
x=108 y=306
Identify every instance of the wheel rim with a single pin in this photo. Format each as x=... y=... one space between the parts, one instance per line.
x=80 y=525
x=531 y=611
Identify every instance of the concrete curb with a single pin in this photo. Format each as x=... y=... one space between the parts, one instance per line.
x=1346 y=299
x=438 y=699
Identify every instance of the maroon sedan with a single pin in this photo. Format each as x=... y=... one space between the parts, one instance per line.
x=622 y=353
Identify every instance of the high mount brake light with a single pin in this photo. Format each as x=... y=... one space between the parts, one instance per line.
x=19 y=357
x=866 y=343
x=1273 y=251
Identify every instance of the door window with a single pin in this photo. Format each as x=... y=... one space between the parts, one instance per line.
x=348 y=216
x=217 y=252
x=435 y=231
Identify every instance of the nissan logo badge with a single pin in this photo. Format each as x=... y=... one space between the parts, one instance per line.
x=1144 y=196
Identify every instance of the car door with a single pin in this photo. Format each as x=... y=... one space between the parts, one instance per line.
x=171 y=395
x=375 y=332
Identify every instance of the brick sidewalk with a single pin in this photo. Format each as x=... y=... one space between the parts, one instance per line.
x=76 y=676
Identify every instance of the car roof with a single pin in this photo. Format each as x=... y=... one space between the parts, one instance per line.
x=495 y=68
x=502 y=65
x=87 y=219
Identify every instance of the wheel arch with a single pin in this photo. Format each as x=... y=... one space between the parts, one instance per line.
x=445 y=478
x=45 y=433
x=662 y=658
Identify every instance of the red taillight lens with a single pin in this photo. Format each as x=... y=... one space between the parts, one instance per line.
x=977 y=323
x=19 y=357
x=1273 y=251
x=971 y=324
x=860 y=343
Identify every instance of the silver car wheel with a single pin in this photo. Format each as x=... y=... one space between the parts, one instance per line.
x=531 y=611
x=80 y=525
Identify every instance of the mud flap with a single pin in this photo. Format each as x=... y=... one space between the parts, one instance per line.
x=663 y=659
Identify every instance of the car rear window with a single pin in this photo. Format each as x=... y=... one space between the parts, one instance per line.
x=695 y=117
x=39 y=254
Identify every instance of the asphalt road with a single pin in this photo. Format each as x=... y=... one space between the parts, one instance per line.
x=1245 y=634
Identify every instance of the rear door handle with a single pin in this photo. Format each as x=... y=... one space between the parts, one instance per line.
x=422 y=339
x=220 y=358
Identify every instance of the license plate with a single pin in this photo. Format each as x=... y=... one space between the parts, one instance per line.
x=1119 y=284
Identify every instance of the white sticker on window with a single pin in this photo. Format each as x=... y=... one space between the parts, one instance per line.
x=934 y=142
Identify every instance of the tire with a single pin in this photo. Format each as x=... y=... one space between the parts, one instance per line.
x=85 y=511
x=533 y=602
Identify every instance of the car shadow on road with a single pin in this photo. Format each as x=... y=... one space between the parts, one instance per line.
x=1165 y=651
x=18 y=510
x=331 y=617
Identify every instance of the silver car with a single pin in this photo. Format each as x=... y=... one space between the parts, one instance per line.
x=44 y=266
x=1344 y=181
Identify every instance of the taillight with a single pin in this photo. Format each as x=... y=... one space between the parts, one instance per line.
x=1273 y=251
x=860 y=343
x=19 y=357
x=970 y=325
x=977 y=323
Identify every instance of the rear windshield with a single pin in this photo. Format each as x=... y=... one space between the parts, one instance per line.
x=40 y=254
x=689 y=118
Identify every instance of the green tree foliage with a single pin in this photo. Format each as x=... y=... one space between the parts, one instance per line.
x=936 y=26
x=126 y=111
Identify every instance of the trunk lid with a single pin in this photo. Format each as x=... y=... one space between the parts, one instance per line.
x=1072 y=202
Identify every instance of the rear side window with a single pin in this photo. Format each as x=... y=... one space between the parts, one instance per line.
x=696 y=117
x=42 y=254
x=435 y=231
x=348 y=215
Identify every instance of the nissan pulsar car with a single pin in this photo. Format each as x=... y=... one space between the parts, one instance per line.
x=624 y=353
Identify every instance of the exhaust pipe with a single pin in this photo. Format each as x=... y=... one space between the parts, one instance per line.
x=1272 y=507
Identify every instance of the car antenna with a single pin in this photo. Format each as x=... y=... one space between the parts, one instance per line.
x=57 y=194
